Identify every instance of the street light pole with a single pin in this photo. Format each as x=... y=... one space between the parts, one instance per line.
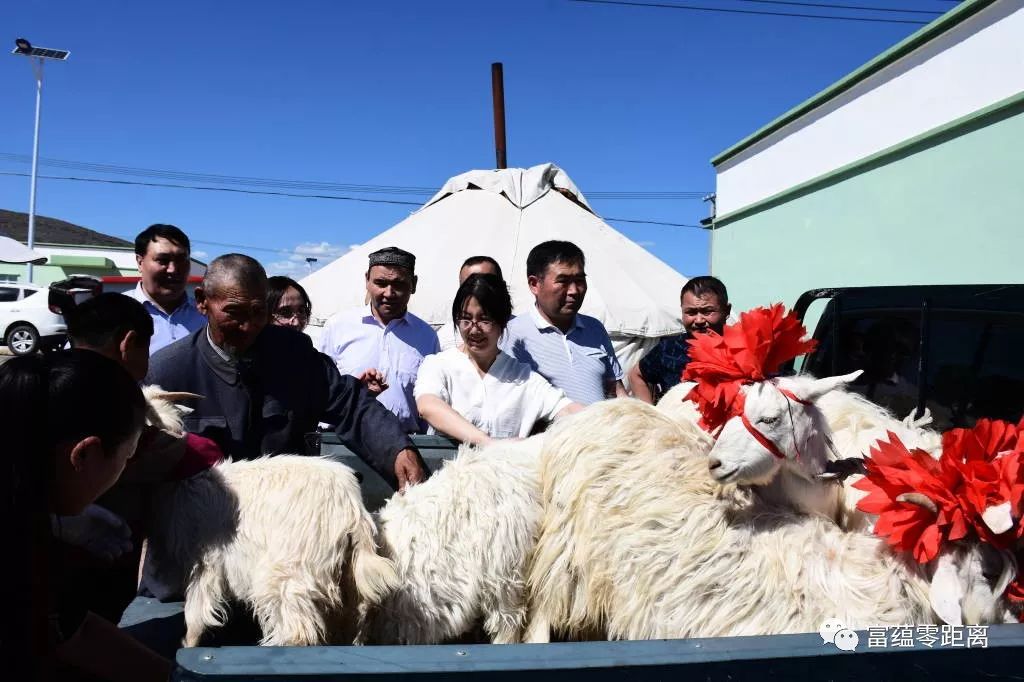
x=38 y=55
x=37 y=67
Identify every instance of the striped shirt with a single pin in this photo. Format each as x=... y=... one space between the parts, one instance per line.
x=581 y=363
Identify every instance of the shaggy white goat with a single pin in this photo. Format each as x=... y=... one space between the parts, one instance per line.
x=461 y=540
x=797 y=430
x=287 y=535
x=854 y=425
x=639 y=542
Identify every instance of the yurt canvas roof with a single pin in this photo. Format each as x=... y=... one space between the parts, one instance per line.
x=503 y=214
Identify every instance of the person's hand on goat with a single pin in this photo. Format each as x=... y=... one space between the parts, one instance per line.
x=374 y=381
x=409 y=469
x=98 y=531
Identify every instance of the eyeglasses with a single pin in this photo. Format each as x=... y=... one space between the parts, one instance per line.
x=484 y=325
x=286 y=314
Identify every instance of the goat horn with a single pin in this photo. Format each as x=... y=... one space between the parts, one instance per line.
x=177 y=396
x=918 y=499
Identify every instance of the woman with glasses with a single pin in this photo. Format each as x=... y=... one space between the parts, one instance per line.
x=476 y=392
x=288 y=303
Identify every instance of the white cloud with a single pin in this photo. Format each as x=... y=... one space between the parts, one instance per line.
x=647 y=245
x=293 y=263
x=200 y=255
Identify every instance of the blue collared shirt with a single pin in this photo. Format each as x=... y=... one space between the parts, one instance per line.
x=581 y=363
x=357 y=341
x=168 y=328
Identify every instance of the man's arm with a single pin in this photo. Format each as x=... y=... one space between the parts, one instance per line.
x=367 y=428
x=639 y=385
x=620 y=390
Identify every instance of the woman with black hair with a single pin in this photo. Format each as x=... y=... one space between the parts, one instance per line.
x=476 y=392
x=288 y=303
x=70 y=420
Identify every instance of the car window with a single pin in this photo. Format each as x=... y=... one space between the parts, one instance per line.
x=970 y=369
x=8 y=294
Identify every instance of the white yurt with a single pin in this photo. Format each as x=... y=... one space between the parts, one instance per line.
x=503 y=214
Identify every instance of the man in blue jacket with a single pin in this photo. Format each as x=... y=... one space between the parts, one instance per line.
x=264 y=387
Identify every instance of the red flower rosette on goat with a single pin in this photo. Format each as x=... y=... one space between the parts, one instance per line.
x=975 y=485
x=751 y=350
x=911 y=494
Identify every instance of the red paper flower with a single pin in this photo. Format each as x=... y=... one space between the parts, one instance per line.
x=895 y=478
x=979 y=471
x=751 y=350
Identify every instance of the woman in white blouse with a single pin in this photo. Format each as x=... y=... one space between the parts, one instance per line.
x=475 y=392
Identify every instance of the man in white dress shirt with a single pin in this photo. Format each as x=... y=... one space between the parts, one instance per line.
x=163 y=254
x=382 y=343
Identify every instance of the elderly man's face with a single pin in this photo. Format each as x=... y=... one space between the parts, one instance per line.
x=389 y=290
x=236 y=313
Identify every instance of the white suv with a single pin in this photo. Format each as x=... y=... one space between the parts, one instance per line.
x=26 y=320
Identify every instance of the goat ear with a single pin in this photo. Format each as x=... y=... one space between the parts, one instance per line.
x=945 y=592
x=998 y=518
x=820 y=387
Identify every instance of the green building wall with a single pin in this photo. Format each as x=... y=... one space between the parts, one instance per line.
x=45 y=274
x=944 y=208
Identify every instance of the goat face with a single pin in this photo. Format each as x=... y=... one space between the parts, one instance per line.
x=790 y=432
x=968 y=582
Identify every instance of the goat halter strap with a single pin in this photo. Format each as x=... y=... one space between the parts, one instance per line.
x=765 y=442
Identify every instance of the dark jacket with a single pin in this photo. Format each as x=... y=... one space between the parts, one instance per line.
x=277 y=392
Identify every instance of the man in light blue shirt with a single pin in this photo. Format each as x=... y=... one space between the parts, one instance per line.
x=163 y=254
x=570 y=350
x=382 y=344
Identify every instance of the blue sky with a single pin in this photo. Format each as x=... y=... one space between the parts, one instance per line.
x=397 y=92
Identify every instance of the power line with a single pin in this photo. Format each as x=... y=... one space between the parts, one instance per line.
x=235 y=190
x=661 y=5
x=854 y=7
x=190 y=176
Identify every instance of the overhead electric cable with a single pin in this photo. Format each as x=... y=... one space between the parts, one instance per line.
x=236 y=190
x=694 y=8
x=864 y=8
x=308 y=185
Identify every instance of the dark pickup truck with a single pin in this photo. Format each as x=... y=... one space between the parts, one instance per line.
x=952 y=349
x=956 y=349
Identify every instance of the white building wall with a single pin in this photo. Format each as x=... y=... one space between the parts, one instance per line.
x=975 y=64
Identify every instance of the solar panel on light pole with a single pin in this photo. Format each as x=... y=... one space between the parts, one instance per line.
x=38 y=55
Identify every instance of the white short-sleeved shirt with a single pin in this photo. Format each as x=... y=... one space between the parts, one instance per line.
x=504 y=403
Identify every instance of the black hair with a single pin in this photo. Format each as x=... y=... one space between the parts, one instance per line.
x=706 y=284
x=171 y=233
x=277 y=285
x=546 y=253
x=107 y=318
x=47 y=400
x=477 y=260
x=491 y=292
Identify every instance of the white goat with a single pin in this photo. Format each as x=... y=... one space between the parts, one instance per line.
x=461 y=541
x=797 y=430
x=639 y=542
x=854 y=425
x=287 y=535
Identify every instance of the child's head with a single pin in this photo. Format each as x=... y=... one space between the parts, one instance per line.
x=70 y=420
x=116 y=326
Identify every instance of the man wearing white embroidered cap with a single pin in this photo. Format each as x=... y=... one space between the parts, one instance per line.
x=382 y=343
